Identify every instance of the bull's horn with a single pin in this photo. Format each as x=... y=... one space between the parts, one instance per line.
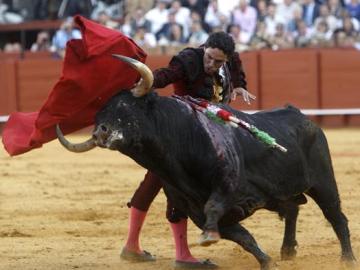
x=145 y=72
x=74 y=147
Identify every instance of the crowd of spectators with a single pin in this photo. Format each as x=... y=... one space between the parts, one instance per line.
x=254 y=24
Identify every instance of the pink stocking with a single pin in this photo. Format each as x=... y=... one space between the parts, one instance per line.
x=181 y=245
x=136 y=221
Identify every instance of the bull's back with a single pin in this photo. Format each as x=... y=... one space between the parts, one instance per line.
x=272 y=169
x=286 y=117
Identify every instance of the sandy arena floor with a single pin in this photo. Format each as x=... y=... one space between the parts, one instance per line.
x=60 y=210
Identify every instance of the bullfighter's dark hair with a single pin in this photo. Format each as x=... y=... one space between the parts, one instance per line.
x=222 y=41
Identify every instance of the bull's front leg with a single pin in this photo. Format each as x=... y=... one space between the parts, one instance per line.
x=214 y=209
x=220 y=201
x=241 y=236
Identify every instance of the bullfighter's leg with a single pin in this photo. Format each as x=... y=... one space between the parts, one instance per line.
x=241 y=236
x=289 y=211
x=183 y=257
x=139 y=205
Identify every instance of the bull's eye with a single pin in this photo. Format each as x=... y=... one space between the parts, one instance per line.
x=103 y=128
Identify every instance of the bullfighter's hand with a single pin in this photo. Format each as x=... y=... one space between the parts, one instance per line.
x=247 y=96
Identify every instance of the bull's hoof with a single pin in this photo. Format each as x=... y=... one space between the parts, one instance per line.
x=349 y=261
x=288 y=254
x=208 y=238
x=269 y=265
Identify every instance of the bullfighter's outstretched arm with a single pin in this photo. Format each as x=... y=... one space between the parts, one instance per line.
x=164 y=76
x=238 y=77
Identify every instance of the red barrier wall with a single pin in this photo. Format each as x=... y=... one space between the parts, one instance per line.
x=289 y=77
x=8 y=95
x=308 y=79
x=251 y=65
x=339 y=73
x=36 y=77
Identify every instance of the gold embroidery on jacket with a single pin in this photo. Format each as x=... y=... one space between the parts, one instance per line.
x=218 y=90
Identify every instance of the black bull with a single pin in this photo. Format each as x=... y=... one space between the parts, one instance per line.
x=218 y=174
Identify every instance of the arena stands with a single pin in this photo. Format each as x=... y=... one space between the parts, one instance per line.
x=254 y=24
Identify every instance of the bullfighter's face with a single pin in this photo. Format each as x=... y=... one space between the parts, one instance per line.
x=214 y=58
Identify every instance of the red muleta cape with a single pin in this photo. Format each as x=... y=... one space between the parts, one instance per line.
x=90 y=76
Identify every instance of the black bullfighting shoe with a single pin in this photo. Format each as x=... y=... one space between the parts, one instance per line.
x=203 y=264
x=133 y=256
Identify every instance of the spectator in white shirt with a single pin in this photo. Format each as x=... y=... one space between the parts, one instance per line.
x=260 y=40
x=198 y=36
x=321 y=36
x=42 y=42
x=196 y=17
x=105 y=19
x=261 y=9
x=241 y=38
x=310 y=12
x=335 y=8
x=182 y=15
x=297 y=17
x=213 y=15
x=226 y=7
x=325 y=15
x=303 y=35
x=63 y=35
x=245 y=16
x=272 y=19
x=282 y=39
x=166 y=30
x=158 y=16
x=143 y=38
x=285 y=10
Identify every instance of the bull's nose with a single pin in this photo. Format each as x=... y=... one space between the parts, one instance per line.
x=101 y=133
x=103 y=128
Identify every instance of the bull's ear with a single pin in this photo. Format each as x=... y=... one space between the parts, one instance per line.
x=152 y=97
